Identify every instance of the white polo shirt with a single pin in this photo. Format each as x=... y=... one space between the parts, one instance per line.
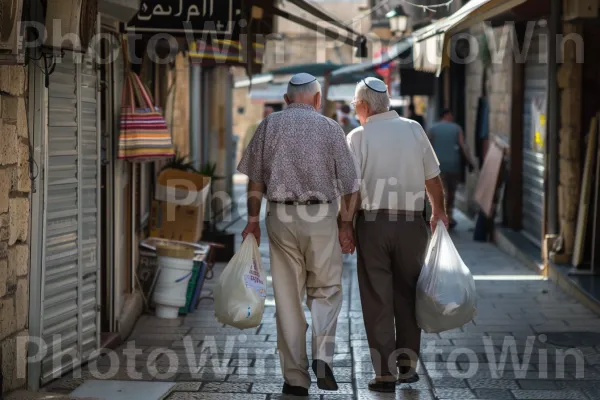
x=395 y=158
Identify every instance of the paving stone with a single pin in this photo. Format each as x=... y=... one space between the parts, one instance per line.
x=539 y=384
x=454 y=393
x=549 y=394
x=187 y=386
x=492 y=384
x=495 y=394
x=399 y=395
x=215 y=396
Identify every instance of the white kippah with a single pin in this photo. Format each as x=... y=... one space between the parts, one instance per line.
x=377 y=85
x=302 y=79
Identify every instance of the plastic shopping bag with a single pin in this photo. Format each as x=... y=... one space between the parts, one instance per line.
x=241 y=290
x=446 y=295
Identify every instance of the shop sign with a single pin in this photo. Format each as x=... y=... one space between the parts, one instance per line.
x=181 y=17
x=538 y=108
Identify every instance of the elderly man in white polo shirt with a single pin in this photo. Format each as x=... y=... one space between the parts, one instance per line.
x=397 y=166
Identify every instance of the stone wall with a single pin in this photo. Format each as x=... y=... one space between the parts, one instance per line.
x=570 y=158
x=15 y=186
x=499 y=91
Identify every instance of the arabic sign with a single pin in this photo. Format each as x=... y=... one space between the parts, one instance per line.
x=177 y=17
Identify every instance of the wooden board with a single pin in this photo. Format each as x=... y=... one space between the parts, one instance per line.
x=488 y=179
x=584 y=199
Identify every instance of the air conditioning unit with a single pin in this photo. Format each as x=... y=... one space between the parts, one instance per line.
x=580 y=9
x=70 y=24
x=11 y=37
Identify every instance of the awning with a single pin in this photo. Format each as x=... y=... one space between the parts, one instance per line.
x=431 y=49
x=395 y=51
x=351 y=38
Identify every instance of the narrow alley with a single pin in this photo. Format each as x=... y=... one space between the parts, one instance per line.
x=530 y=340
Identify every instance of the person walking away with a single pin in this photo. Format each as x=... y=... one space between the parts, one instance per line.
x=397 y=167
x=299 y=160
x=412 y=114
x=448 y=142
x=347 y=121
x=268 y=110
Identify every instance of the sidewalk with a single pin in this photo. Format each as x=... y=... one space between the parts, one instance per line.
x=513 y=305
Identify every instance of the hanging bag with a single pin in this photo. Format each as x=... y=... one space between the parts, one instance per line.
x=446 y=295
x=241 y=291
x=144 y=135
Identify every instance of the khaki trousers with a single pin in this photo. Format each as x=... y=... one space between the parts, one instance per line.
x=306 y=258
x=391 y=252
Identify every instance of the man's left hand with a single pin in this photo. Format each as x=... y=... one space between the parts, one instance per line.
x=346 y=237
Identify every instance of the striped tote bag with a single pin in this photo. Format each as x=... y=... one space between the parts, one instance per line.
x=144 y=135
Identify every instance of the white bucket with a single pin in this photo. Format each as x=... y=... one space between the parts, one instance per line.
x=171 y=287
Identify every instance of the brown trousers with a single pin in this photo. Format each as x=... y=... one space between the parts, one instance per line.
x=391 y=252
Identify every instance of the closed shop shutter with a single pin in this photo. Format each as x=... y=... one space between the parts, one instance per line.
x=69 y=316
x=534 y=142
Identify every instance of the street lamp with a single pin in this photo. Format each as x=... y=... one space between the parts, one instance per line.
x=398 y=20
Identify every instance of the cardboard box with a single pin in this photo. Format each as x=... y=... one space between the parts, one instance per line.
x=178 y=208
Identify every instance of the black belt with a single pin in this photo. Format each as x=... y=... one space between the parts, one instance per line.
x=301 y=203
x=391 y=212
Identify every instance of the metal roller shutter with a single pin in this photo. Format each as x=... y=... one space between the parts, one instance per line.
x=69 y=322
x=536 y=92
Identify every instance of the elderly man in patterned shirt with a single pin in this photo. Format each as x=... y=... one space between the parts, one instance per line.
x=299 y=160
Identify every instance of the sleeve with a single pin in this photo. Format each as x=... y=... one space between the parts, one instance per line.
x=251 y=163
x=352 y=139
x=345 y=165
x=431 y=165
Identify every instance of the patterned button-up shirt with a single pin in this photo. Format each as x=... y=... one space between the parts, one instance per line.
x=299 y=155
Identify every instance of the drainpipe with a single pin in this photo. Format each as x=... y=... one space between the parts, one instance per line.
x=553 y=118
x=195 y=114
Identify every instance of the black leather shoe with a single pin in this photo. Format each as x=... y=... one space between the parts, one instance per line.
x=298 y=391
x=324 y=374
x=409 y=379
x=382 y=386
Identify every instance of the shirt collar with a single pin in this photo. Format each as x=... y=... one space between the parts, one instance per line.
x=383 y=116
x=301 y=106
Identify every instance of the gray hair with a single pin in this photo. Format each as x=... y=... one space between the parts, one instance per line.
x=296 y=91
x=378 y=102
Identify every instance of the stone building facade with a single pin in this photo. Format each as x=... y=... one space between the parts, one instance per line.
x=15 y=188
x=499 y=93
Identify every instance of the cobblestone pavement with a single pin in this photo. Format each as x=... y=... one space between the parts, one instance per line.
x=516 y=310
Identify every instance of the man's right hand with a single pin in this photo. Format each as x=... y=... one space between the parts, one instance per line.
x=254 y=229
x=438 y=216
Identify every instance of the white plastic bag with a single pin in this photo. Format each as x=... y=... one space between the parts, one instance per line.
x=241 y=290
x=446 y=295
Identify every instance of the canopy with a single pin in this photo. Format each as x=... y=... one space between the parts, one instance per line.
x=431 y=49
x=400 y=49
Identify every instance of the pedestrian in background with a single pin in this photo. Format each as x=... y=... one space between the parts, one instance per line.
x=299 y=160
x=347 y=120
x=448 y=141
x=412 y=114
x=397 y=166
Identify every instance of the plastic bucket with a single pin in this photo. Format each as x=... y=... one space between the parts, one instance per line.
x=176 y=263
